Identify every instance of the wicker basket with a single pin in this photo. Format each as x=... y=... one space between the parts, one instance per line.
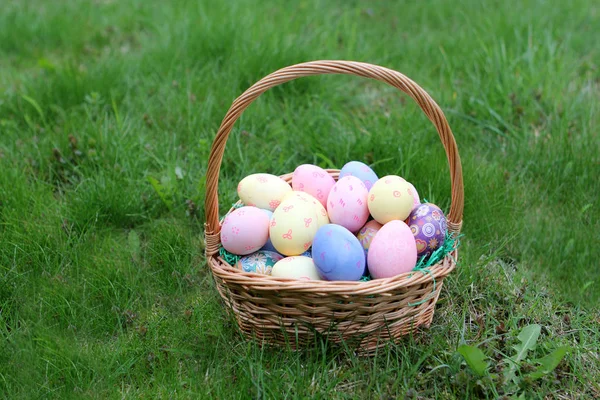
x=362 y=314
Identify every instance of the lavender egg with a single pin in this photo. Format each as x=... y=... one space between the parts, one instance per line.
x=338 y=254
x=428 y=225
x=361 y=171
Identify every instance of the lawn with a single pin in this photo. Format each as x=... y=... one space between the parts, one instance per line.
x=104 y=290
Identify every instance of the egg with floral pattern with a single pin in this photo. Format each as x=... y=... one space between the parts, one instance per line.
x=261 y=262
x=245 y=230
x=263 y=190
x=293 y=226
x=428 y=225
x=322 y=216
x=366 y=234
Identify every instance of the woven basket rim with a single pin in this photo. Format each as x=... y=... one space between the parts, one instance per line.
x=267 y=282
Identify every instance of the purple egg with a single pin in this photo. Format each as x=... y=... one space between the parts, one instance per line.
x=338 y=254
x=361 y=171
x=428 y=225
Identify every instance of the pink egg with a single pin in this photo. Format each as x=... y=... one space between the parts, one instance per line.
x=245 y=230
x=347 y=203
x=314 y=181
x=393 y=251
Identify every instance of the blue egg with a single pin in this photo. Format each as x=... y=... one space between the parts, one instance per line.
x=361 y=171
x=338 y=254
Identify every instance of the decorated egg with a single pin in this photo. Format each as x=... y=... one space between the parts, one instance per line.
x=314 y=181
x=414 y=194
x=297 y=267
x=322 y=217
x=293 y=226
x=366 y=234
x=245 y=230
x=337 y=254
x=263 y=190
x=392 y=251
x=347 y=203
x=390 y=199
x=261 y=262
x=428 y=225
x=361 y=171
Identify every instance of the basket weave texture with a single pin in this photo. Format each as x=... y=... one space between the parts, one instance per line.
x=362 y=314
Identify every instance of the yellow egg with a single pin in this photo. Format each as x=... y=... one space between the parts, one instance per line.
x=390 y=199
x=298 y=267
x=263 y=191
x=293 y=226
x=322 y=217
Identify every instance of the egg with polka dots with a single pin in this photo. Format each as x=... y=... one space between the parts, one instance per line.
x=390 y=199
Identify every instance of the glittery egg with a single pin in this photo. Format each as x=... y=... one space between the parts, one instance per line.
x=392 y=251
x=293 y=226
x=297 y=267
x=361 y=171
x=314 y=181
x=347 y=203
x=261 y=262
x=337 y=254
x=428 y=225
x=263 y=190
x=390 y=199
x=245 y=230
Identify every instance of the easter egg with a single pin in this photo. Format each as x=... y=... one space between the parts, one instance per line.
x=337 y=254
x=366 y=234
x=428 y=225
x=263 y=190
x=390 y=199
x=245 y=230
x=314 y=181
x=361 y=171
x=297 y=267
x=414 y=194
x=392 y=251
x=293 y=226
x=347 y=203
x=261 y=262
x=322 y=217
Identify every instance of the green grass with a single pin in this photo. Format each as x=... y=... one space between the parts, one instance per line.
x=104 y=291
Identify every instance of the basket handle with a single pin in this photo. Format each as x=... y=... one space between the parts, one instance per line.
x=391 y=77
